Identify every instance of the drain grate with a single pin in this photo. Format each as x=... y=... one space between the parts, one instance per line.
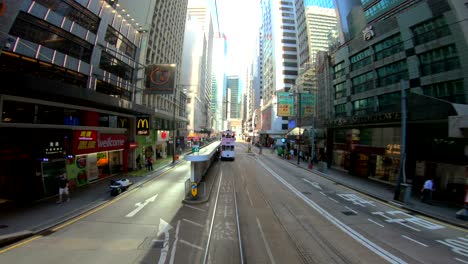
x=3 y=226
x=306 y=193
x=348 y=213
x=47 y=232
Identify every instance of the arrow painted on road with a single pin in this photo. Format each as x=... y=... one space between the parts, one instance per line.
x=164 y=227
x=141 y=205
x=315 y=184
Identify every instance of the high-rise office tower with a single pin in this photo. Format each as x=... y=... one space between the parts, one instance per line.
x=279 y=62
x=389 y=46
x=234 y=99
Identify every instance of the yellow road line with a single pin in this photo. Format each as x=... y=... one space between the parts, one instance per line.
x=69 y=222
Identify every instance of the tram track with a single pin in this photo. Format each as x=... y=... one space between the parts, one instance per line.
x=224 y=235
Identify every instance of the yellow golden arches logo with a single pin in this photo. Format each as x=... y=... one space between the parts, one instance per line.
x=143 y=124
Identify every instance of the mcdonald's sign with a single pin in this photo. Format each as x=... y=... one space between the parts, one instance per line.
x=142 y=126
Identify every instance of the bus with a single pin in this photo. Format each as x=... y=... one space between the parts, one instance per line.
x=228 y=142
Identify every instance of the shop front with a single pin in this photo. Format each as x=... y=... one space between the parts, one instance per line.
x=162 y=138
x=96 y=156
x=368 y=152
x=146 y=147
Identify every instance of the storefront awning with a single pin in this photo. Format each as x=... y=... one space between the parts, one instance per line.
x=297 y=131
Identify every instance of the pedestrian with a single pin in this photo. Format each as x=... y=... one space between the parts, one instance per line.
x=63 y=188
x=426 y=191
x=138 y=161
x=150 y=163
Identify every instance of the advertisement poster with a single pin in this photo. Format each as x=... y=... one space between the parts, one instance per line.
x=91 y=165
x=82 y=177
x=285 y=104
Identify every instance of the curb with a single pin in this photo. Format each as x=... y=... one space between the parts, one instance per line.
x=6 y=240
x=392 y=202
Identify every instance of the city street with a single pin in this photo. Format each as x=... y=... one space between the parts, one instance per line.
x=285 y=214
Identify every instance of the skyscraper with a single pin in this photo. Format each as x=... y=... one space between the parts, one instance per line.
x=234 y=99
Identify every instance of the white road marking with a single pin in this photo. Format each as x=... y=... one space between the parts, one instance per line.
x=461 y=260
x=248 y=196
x=415 y=241
x=190 y=244
x=141 y=205
x=333 y=200
x=164 y=227
x=375 y=222
x=323 y=193
x=192 y=222
x=194 y=208
x=350 y=209
x=315 y=184
x=174 y=245
x=272 y=260
x=348 y=230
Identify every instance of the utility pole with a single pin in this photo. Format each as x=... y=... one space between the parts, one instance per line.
x=402 y=175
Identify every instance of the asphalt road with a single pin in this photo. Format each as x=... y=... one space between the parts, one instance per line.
x=262 y=209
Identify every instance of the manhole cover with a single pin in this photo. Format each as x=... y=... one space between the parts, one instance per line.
x=157 y=244
x=348 y=213
x=3 y=226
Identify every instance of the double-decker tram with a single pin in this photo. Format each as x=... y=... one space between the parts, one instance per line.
x=228 y=142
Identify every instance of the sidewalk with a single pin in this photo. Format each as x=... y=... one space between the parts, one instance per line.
x=17 y=223
x=385 y=192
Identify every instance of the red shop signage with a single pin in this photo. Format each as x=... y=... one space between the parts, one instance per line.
x=86 y=141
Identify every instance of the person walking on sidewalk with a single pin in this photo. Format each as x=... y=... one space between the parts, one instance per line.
x=427 y=189
x=63 y=188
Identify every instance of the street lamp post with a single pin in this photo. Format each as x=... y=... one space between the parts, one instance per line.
x=299 y=125
x=174 y=131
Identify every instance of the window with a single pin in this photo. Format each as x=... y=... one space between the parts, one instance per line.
x=340 y=90
x=39 y=31
x=392 y=73
x=363 y=82
x=452 y=91
x=289 y=49
x=112 y=90
x=73 y=11
x=115 y=66
x=430 y=30
x=390 y=102
x=288 y=56
x=364 y=106
x=439 y=60
x=338 y=70
x=120 y=42
x=388 y=47
x=361 y=59
x=290 y=72
x=340 y=110
x=288 y=41
x=18 y=112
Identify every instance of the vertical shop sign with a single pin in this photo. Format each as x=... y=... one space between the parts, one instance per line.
x=142 y=126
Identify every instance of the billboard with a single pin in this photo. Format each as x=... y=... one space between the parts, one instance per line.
x=160 y=78
x=307 y=104
x=285 y=104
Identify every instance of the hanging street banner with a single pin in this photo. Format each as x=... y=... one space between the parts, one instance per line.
x=160 y=78
x=308 y=102
x=285 y=104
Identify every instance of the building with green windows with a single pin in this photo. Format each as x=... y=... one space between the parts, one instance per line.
x=420 y=46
